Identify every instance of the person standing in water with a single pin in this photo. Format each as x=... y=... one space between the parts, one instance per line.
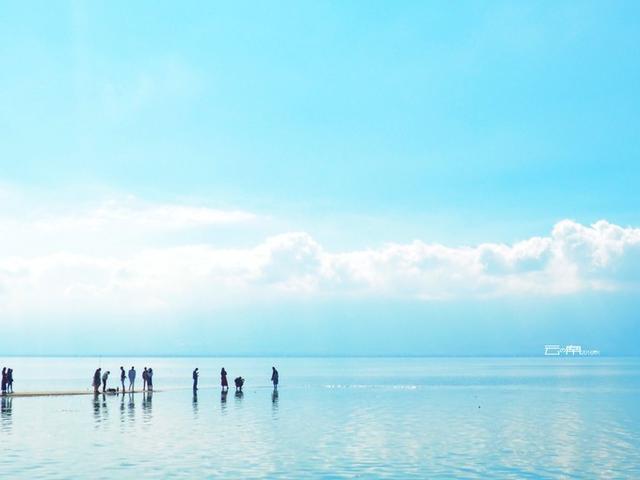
x=132 y=378
x=274 y=377
x=145 y=378
x=239 y=382
x=195 y=379
x=150 y=380
x=4 y=380
x=105 y=377
x=96 y=380
x=10 y=380
x=123 y=375
x=223 y=379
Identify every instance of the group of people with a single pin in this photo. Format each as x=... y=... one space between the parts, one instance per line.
x=100 y=378
x=238 y=381
x=7 y=380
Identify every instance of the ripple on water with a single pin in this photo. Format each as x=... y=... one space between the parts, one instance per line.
x=369 y=421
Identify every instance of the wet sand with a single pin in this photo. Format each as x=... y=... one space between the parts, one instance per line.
x=66 y=393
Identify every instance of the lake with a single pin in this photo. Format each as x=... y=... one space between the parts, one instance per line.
x=331 y=418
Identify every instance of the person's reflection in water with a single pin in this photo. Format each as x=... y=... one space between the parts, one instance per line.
x=223 y=401
x=122 y=409
x=96 y=407
x=274 y=401
x=239 y=395
x=195 y=403
x=5 y=412
x=146 y=404
x=100 y=411
x=131 y=406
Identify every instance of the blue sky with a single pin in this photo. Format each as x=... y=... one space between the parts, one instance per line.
x=306 y=168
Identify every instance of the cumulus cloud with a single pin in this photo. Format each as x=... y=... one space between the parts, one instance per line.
x=573 y=258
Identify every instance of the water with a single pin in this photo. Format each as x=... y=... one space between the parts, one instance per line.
x=332 y=418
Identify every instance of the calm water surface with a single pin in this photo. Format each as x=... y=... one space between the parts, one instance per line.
x=332 y=418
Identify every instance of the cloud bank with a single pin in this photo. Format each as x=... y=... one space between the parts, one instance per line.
x=187 y=276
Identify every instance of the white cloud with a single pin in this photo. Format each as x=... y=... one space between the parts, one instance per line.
x=573 y=258
x=117 y=226
x=131 y=213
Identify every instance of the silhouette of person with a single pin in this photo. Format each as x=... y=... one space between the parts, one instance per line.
x=195 y=379
x=239 y=382
x=275 y=376
x=4 y=380
x=150 y=379
x=223 y=379
x=145 y=378
x=105 y=377
x=96 y=380
x=132 y=379
x=123 y=375
x=10 y=380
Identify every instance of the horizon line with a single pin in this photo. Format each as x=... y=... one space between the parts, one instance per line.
x=541 y=355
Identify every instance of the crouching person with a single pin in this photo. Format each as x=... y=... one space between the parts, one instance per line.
x=239 y=381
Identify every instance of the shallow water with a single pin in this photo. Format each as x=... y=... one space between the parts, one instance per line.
x=332 y=418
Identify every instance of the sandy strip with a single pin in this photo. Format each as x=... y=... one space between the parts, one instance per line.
x=67 y=393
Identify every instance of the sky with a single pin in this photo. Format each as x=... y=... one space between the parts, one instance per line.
x=319 y=178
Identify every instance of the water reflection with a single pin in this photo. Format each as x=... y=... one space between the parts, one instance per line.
x=131 y=407
x=147 y=397
x=5 y=412
x=100 y=411
x=122 y=409
x=195 y=403
x=96 y=407
x=223 y=401
x=376 y=430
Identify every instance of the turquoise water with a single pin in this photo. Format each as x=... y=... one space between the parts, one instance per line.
x=332 y=418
